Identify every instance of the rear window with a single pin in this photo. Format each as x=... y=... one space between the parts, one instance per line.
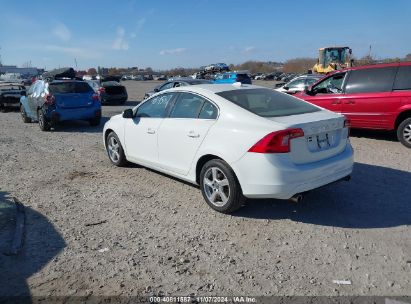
x=242 y=76
x=69 y=87
x=200 y=82
x=268 y=103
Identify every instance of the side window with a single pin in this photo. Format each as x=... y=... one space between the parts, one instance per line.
x=226 y=76
x=403 y=79
x=310 y=81
x=154 y=107
x=330 y=85
x=187 y=106
x=371 y=80
x=166 y=86
x=209 y=111
x=219 y=76
x=296 y=83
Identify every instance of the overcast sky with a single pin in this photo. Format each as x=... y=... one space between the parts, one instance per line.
x=191 y=33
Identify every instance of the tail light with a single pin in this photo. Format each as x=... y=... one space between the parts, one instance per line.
x=49 y=99
x=101 y=90
x=96 y=97
x=277 y=142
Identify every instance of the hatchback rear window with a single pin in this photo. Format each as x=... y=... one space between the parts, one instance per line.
x=69 y=87
x=242 y=76
x=268 y=103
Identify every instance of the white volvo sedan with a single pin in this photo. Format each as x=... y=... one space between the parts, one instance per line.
x=234 y=141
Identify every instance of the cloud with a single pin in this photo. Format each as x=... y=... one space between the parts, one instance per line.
x=62 y=32
x=140 y=23
x=249 y=49
x=172 y=51
x=120 y=42
x=79 y=52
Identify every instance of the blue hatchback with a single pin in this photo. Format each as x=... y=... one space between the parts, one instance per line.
x=60 y=100
x=232 y=77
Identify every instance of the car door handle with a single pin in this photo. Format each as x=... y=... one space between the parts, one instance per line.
x=335 y=102
x=349 y=101
x=192 y=134
x=151 y=131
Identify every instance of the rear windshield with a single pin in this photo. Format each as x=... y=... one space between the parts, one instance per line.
x=268 y=103
x=69 y=87
x=242 y=76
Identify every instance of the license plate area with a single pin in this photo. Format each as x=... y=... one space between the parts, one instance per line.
x=321 y=141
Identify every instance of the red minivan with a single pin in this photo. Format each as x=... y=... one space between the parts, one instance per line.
x=371 y=97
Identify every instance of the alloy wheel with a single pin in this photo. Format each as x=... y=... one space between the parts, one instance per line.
x=406 y=133
x=216 y=186
x=113 y=149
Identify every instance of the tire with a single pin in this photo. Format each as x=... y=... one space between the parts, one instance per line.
x=24 y=115
x=404 y=132
x=115 y=150
x=220 y=187
x=44 y=124
x=94 y=122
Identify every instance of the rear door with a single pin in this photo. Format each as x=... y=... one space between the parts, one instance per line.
x=368 y=94
x=328 y=93
x=181 y=134
x=141 y=132
x=72 y=94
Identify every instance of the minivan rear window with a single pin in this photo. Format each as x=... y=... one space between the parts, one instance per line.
x=268 y=103
x=69 y=87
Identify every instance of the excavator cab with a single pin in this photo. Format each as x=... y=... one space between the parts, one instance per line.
x=332 y=58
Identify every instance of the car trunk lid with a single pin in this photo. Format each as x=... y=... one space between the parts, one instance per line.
x=72 y=94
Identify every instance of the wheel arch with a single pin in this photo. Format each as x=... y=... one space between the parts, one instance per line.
x=402 y=116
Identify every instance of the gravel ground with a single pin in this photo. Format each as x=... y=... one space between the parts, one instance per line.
x=158 y=235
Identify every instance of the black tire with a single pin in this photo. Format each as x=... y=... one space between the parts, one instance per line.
x=24 y=115
x=404 y=132
x=121 y=160
x=94 y=122
x=44 y=124
x=235 y=195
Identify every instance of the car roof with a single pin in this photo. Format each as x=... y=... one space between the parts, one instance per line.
x=377 y=65
x=216 y=88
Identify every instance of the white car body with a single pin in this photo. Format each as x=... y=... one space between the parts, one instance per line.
x=176 y=146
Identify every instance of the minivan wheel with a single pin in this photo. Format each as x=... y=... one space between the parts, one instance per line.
x=115 y=150
x=43 y=123
x=404 y=132
x=220 y=187
x=24 y=115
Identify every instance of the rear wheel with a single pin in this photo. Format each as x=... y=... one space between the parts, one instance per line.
x=24 y=115
x=404 y=132
x=44 y=124
x=115 y=150
x=220 y=187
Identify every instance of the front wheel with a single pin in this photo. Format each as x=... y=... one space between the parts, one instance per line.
x=44 y=124
x=115 y=150
x=404 y=132
x=220 y=187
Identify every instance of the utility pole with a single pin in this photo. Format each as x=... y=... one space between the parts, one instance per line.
x=75 y=61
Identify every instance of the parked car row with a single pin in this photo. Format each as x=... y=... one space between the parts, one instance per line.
x=298 y=83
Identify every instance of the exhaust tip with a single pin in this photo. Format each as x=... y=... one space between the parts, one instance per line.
x=297 y=198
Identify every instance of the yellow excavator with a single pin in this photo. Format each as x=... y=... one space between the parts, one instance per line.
x=333 y=58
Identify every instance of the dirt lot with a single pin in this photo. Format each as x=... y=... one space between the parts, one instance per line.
x=158 y=235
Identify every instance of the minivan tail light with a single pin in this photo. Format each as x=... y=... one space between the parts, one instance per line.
x=277 y=142
x=49 y=99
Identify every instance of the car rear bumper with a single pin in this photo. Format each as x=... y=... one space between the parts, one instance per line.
x=57 y=115
x=275 y=176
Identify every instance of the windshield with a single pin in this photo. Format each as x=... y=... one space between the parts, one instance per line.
x=268 y=103
x=335 y=55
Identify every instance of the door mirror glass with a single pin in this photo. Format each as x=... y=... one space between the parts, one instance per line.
x=128 y=113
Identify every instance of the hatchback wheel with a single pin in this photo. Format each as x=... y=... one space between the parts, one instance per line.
x=44 y=124
x=24 y=115
x=115 y=150
x=404 y=132
x=220 y=187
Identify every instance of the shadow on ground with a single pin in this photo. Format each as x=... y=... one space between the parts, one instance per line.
x=376 y=197
x=374 y=134
x=41 y=243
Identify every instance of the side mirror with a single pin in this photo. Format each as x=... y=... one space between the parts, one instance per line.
x=286 y=88
x=156 y=90
x=128 y=113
